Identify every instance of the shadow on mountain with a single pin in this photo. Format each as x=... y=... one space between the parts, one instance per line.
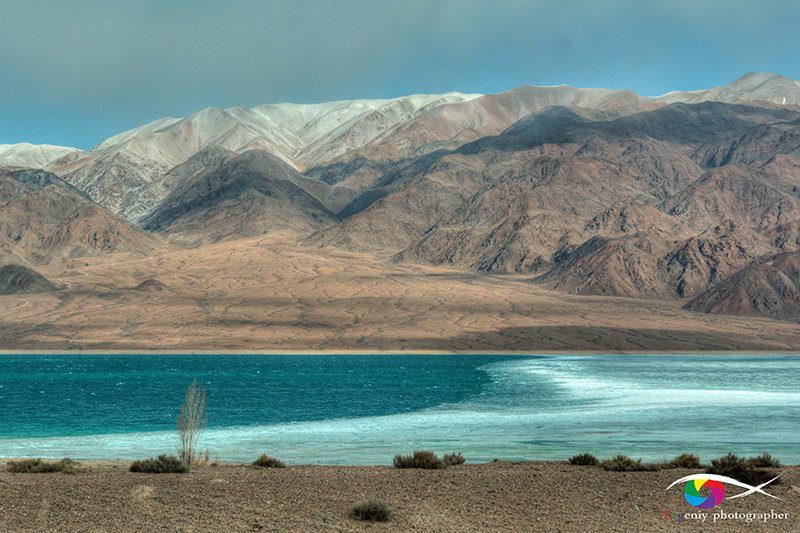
x=594 y=339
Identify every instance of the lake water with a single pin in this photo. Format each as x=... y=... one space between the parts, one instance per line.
x=362 y=409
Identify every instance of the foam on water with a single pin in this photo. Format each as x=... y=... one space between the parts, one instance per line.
x=612 y=388
x=538 y=408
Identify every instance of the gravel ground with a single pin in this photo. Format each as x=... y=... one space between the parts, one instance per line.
x=500 y=496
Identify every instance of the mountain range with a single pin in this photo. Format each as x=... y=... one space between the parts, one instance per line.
x=692 y=197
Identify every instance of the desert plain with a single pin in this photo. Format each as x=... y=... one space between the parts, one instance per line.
x=272 y=294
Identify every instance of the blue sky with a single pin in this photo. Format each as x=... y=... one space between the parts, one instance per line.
x=75 y=73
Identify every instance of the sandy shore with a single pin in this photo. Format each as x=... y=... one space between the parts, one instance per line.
x=502 y=496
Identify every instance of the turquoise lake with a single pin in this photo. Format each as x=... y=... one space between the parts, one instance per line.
x=363 y=409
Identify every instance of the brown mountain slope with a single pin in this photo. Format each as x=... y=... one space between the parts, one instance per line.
x=652 y=263
x=646 y=154
x=388 y=218
x=769 y=288
x=702 y=260
x=514 y=175
x=126 y=172
x=238 y=195
x=42 y=217
x=612 y=266
x=735 y=192
x=449 y=126
x=622 y=207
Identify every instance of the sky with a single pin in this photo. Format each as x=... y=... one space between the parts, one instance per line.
x=75 y=73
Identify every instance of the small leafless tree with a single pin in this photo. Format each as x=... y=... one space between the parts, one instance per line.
x=192 y=421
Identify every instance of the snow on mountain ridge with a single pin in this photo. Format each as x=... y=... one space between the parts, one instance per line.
x=308 y=124
x=291 y=127
x=752 y=87
x=144 y=129
x=124 y=172
x=32 y=155
x=120 y=170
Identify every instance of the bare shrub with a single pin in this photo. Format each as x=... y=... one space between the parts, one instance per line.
x=192 y=420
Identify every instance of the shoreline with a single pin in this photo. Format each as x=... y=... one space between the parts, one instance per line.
x=400 y=351
x=225 y=463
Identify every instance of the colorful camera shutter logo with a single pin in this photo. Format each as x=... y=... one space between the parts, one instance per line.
x=692 y=493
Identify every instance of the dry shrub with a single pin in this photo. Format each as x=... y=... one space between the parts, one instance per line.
x=584 y=459
x=164 y=464
x=733 y=466
x=623 y=463
x=37 y=466
x=764 y=460
x=419 y=459
x=265 y=461
x=452 y=459
x=686 y=460
x=372 y=510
